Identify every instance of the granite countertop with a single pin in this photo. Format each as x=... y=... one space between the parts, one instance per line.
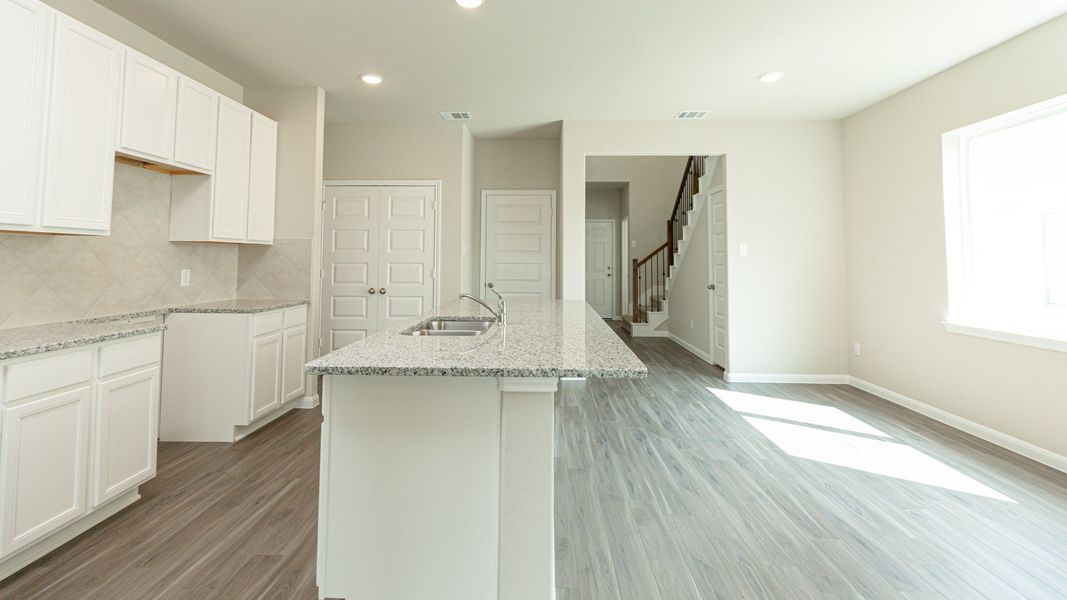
x=236 y=306
x=35 y=339
x=553 y=338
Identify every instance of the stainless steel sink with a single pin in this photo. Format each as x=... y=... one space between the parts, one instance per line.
x=453 y=327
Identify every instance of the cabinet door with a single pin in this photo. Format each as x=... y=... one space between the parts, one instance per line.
x=149 y=104
x=261 y=186
x=43 y=466
x=197 y=125
x=124 y=448
x=82 y=125
x=266 y=367
x=229 y=215
x=293 y=352
x=25 y=34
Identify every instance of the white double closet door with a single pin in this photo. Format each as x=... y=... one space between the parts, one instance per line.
x=379 y=246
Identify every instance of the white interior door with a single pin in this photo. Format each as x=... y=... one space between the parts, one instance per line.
x=599 y=263
x=719 y=330
x=518 y=243
x=406 y=256
x=350 y=279
x=378 y=255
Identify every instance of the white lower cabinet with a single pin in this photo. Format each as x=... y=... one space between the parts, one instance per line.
x=127 y=425
x=266 y=374
x=226 y=375
x=45 y=461
x=77 y=431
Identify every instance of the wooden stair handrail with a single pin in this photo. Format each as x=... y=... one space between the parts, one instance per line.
x=651 y=255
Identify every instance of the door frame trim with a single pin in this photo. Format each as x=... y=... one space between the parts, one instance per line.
x=614 y=259
x=553 y=292
x=318 y=238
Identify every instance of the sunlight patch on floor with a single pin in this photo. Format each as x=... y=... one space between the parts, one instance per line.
x=803 y=438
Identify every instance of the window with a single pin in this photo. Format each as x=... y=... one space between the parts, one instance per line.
x=1006 y=223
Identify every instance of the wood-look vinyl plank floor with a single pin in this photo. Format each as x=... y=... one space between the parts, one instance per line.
x=663 y=492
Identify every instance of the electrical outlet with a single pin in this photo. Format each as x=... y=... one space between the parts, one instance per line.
x=633 y=243
x=856 y=348
x=743 y=249
x=185 y=277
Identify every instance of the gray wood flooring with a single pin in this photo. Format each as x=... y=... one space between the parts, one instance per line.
x=665 y=491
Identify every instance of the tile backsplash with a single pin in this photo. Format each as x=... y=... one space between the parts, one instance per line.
x=281 y=271
x=48 y=278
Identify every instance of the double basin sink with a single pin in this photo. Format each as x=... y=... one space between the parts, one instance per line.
x=452 y=327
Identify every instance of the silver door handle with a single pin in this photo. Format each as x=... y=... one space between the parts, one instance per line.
x=372 y=291
x=381 y=291
x=711 y=287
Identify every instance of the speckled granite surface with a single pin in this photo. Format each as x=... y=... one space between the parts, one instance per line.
x=237 y=306
x=35 y=339
x=24 y=341
x=556 y=338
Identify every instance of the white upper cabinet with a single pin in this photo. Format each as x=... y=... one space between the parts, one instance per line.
x=261 y=180
x=197 y=126
x=230 y=205
x=25 y=38
x=82 y=125
x=237 y=204
x=149 y=106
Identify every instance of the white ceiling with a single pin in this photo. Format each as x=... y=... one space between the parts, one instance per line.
x=521 y=64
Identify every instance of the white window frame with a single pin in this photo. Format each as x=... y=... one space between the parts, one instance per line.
x=955 y=146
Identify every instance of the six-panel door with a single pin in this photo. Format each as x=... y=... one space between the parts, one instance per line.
x=127 y=423
x=44 y=461
x=25 y=35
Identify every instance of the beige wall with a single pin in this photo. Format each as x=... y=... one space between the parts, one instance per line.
x=102 y=19
x=653 y=189
x=897 y=286
x=405 y=151
x=468 y=279
x=689 y=310
x=607 y=204
x=508 y=165
x=49 y=278
x=787 y=297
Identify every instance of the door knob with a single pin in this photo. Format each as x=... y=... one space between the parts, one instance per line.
x=489 y=285
x=381 y=291
x=711 y=287
x=372 y=291
x=609 y=274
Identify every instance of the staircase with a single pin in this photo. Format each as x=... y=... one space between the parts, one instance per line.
x=651 y=276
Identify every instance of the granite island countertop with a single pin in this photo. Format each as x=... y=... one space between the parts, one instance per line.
x=552 y=338
x=48 y=337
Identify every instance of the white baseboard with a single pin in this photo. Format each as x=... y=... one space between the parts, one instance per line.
x=306 y=402
x=733 y=377
x=691 y=348
x=978 y=430
x=642 y=333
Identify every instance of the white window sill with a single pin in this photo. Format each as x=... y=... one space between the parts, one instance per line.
x=1046 y=342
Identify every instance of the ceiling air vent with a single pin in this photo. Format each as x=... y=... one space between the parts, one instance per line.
x=459 y=115
x=691 y=114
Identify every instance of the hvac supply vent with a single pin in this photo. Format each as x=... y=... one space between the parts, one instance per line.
x=457 y=116
x=691 y=114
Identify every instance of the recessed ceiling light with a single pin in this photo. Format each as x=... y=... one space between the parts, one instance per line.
x=470 y=3
x=371 y=78
x=771 y=76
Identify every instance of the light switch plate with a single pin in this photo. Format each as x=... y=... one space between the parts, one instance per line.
x=856 y=348
x=743 y=249
x=185 y=277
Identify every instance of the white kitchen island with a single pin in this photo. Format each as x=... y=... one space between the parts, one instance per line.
x=437 y=453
